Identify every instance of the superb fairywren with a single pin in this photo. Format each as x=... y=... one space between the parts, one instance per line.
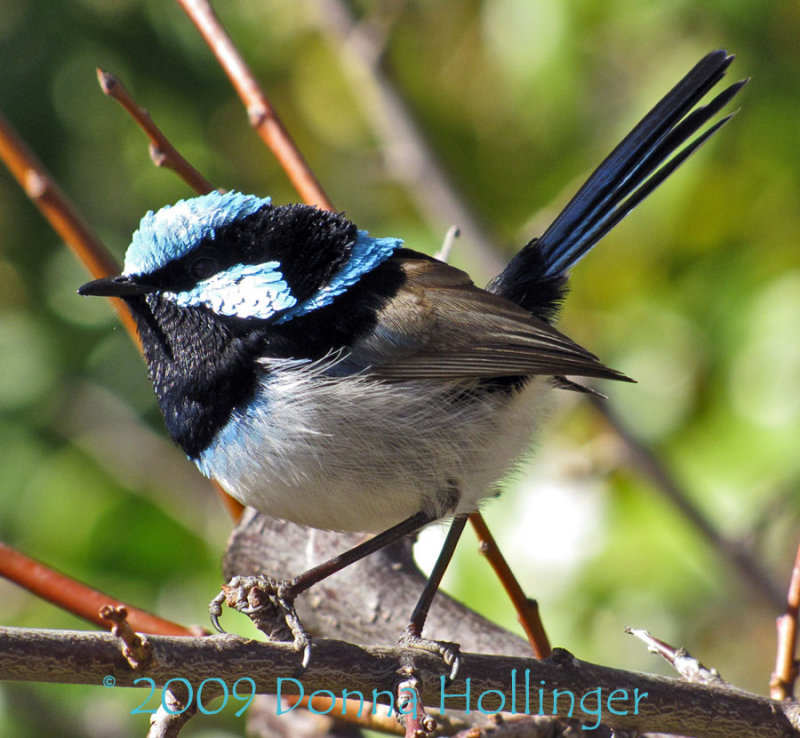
x=346 y=382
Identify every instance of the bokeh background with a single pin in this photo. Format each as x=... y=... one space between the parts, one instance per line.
x=696 y=295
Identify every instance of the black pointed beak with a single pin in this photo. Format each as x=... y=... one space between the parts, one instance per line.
x=121 y=286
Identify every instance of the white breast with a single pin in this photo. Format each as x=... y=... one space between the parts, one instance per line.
x=358 y=454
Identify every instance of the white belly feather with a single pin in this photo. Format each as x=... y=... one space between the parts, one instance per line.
x=357 y=454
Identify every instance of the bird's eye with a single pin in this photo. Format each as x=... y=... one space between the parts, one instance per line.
x=202 y=267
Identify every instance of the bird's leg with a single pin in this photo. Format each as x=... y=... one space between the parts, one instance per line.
x=412 y=636
x=261 y=595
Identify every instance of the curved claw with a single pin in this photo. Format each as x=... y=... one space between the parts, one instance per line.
x=306 y=660
x=451 y=655
x=449 y=652
x=215 y=611
x=215 y=622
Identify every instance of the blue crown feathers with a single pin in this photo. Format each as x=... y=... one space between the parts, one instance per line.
x=171 y=232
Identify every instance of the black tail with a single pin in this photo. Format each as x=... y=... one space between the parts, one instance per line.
x=535 y=277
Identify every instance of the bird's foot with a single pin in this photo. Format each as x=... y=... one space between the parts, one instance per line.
x=269 y=603
x=449 y=652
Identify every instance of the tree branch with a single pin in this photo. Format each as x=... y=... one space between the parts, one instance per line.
x=650 y=702
x=260 y=112
x=162 y=152
x=527 y=609
x=781 y=685
x=74 y=596
x=60 y=213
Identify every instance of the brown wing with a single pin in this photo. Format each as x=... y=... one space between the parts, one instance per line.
x=441 y=326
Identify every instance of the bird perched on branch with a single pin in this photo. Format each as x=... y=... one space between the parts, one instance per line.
x=347 y=382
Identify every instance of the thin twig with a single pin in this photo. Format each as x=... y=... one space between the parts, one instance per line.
x=162 y=152
x=260 y=112
x=364 y=715
x=232 y=505
x=526 y=608
x=781 y=685
x=172 y=715
x=685 y=664
x=76 y=597
x=418 y=723
x=135 y=647
x=60 y=213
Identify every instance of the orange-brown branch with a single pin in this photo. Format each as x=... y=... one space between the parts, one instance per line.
x=76 y=597
x=781 y=685
x=527 y=609
x=162 y=152
x=260 y=112
x=59 y=212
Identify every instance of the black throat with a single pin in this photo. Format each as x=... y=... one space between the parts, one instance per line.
x=201 y=366
x=204 y=366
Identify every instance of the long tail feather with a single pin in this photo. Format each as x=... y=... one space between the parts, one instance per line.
x=641 y=162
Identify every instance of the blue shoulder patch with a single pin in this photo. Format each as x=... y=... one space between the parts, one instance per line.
x=366 y=254
x=174 y=230
x=241 y=291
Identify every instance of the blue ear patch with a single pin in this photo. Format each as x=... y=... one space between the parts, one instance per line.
x=366 y=254
x=173 y=231
x=241 y=291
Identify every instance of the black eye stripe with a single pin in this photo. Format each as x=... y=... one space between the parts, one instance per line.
x=202 y=267
x=309 y=244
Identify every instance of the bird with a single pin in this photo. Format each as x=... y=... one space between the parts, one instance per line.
x=348 y=382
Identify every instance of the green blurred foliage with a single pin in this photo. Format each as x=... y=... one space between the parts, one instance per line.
x=697 y=296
